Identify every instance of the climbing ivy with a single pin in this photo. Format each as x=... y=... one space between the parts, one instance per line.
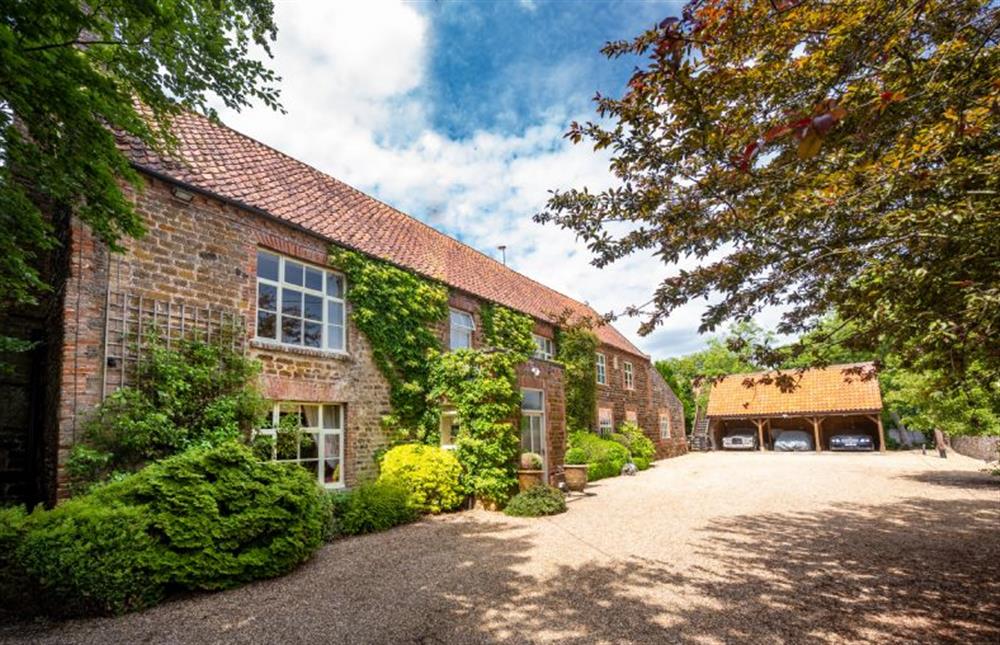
x=396 y=311
x=507 y=329
x=576 y=348
x=482 y=386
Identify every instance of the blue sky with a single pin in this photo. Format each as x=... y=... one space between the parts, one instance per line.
x=455 y=112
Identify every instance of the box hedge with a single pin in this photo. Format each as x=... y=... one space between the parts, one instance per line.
x=604 y=458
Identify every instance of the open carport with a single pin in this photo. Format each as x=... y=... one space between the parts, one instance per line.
x=822 y=402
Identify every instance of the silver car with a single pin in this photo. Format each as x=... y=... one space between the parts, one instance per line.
x=794 y=440
x=740 y=439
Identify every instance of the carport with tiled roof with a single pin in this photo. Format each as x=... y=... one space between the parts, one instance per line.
x=821 y=401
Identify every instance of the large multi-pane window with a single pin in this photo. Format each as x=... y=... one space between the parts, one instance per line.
x=533 y=423
x=298 y=304
x=602 y=369
x=629 y=375
x=605 y=421
x=318 y=446
x=544 y=348
x=460 y=329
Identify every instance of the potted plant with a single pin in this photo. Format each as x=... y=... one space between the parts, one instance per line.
x=575 y=469
x=530 y=473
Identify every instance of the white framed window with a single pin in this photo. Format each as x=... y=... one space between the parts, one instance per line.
x=664 y=425
x=320 y=445
x=605 y=421
x=544 y=347
x=602 y=369
x=299 y=305
x=629 y=375
x=450 y=427
x=533 y=424
x=460 y=329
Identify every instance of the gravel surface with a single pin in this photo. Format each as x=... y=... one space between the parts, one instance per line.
x=706 y=548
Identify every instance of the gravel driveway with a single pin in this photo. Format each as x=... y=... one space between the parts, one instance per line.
x=705 y=548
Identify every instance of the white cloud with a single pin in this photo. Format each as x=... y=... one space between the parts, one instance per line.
x=352 y=75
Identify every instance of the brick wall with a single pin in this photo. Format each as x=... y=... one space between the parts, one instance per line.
x=662 y=400
x=547 y=376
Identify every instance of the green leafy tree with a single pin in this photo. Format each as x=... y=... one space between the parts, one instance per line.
x=73 y=76
x=819 y=155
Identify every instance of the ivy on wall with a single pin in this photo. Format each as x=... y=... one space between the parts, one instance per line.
x=576 y=350
x=507 y=329
x=397 y=311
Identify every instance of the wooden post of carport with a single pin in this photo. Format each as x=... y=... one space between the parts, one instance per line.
x=877 y=420
x=817 y=422
x=760 y=433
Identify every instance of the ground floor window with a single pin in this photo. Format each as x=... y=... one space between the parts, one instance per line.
x=605 y=421
x=450 y=425
x=631 y=416
x=664 y=425
x=318 y=447
x=533 y=422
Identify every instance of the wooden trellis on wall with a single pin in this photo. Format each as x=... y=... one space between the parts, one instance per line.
x=133 y=323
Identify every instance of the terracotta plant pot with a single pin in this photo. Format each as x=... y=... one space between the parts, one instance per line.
x=576 y=476
x=528 y=478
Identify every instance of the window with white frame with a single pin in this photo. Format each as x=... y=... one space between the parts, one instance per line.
x=605 y=421
x=629 y=375
x=533 y=422
x=544 y=348
x=664 y=425
x=298 y=304
x=602 y=369
x=460 y=329
x=318 y=446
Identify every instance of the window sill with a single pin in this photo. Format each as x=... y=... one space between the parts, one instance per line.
x=257 y=343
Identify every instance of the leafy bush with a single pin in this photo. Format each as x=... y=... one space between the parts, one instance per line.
x=576 y=346
x=604 y=457
x=537 y=501
x=640 y=447
x=370 y=507
x=431 y=475
x=531 y=461
x=208 y=518
x=195 y=393
x=575 y=456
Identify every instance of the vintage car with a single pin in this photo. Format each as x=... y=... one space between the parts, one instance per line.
x=740 y=439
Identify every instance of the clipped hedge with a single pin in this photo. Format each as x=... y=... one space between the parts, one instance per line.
x=431 y=475
x=604 y=458
x=208 y=518
x=537 y=501
x=369 y=508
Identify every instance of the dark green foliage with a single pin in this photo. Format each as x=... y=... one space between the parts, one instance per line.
x=370 y=507
x=537 y=501
x=604 y=457
x=194 y=393
x=508 y=329
x=397 y=311
x=208 y=518
x=483 y=388
x=640 y=447
x=70 y=72
x=576 y=350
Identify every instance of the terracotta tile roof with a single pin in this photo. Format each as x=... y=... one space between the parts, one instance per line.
x=831 y=389
x=223 y=162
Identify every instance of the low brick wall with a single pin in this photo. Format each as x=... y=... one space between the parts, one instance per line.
x=976 y=447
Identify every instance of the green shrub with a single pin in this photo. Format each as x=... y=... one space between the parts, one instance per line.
x=575 y=456
x=195 y=393
x=371 y=507
x=431 y=475
x=640 y=447
x=604 y=458
x=208 y=518
x=537 y=501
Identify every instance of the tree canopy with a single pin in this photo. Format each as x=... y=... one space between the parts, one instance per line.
x=73 y=75
x=826 y=156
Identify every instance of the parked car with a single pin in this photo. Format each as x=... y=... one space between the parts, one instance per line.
x=794 y=440
x=851 y=442
x=740 y=439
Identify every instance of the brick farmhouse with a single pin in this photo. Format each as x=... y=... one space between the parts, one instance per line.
x=238 y=236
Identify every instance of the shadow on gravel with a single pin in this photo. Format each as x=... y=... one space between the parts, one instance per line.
x=918 y=570
x=957 y=479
